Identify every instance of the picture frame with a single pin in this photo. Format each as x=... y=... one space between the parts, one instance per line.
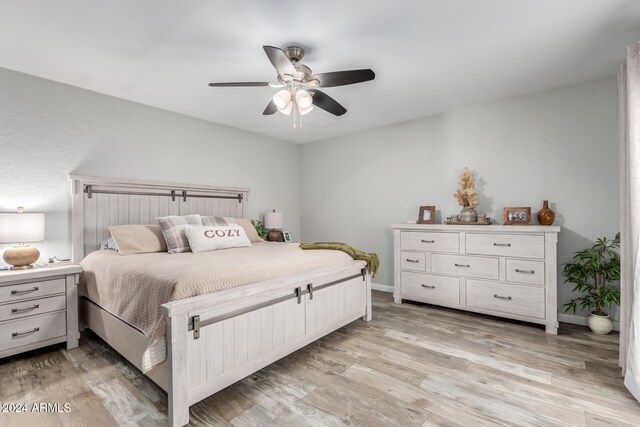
x=287 y=237
x=427 y=215
x=516 y=216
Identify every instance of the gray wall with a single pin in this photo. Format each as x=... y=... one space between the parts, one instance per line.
x=48 y=130
x=559 y=145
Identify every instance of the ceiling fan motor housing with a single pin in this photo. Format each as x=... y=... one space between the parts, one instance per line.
x=294 y=53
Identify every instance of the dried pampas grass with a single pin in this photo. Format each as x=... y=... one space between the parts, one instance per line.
x=465 y=194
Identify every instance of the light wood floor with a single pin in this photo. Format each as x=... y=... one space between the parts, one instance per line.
x=412 y=365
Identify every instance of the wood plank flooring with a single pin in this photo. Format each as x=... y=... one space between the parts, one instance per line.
x=413 y=365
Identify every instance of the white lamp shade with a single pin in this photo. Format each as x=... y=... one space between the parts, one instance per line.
x=305 y=110
x=273 y=220
x=281 y=99
x=304 y=100
x=21 y=227
x=287 y=109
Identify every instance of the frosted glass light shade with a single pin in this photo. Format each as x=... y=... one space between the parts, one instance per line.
x=273 y=220
x=305 y=110
x=281 y=99
x=21 y=227
x=303 y=99
x=287 y=109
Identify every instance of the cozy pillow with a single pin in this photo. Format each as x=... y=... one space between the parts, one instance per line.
x=203 y=238
x=173 y=231
x=249 y=229
x=137 y=239
x=109 y=245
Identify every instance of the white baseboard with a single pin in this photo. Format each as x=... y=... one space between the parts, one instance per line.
x=580 y=320
x=383 y=288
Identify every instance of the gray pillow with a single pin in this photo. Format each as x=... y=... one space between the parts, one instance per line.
x=173 y=231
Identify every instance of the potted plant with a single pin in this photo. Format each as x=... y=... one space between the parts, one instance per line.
x=259 y=226
x=591 y=272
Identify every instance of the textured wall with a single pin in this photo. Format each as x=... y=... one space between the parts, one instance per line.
x=48 y=130
x=559 y=145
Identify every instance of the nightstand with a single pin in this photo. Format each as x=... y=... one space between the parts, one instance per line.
x=38 y=307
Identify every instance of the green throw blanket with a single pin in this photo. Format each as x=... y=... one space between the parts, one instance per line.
x=372 y=259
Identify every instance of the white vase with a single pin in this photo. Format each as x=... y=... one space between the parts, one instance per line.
x=599 y=324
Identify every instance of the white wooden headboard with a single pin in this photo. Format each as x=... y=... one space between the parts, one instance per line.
x=99 y=202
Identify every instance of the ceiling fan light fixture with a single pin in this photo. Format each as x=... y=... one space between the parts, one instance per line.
x=287 y=108
x=304 y=100
x=282 y=99
x=304 y=111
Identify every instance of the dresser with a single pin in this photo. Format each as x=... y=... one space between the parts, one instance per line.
x=38 y=307
x=501 y=270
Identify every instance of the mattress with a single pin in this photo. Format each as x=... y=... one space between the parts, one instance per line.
x=133 y=287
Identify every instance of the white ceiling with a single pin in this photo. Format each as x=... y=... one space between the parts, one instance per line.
x=429 y=56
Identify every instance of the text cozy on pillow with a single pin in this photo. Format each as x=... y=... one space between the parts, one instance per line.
x=203 y=238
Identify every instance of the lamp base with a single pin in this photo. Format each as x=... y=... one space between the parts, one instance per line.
x=275 y=236
x=21 y=257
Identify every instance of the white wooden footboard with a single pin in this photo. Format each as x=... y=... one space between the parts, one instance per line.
x=215 y=340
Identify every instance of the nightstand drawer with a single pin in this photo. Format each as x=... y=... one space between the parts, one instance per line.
x=31 y=330
x=32 y=290
x=467 y=266
x=16 y=310
x=506 y=298
x=524 y=271
x=413 y=261
x=433 y=242
x=431 y=288
x=509 y=245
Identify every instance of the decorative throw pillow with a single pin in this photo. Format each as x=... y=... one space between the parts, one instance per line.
x=110 y=244
x=137 y=239
x=249 y=229
x=173 y=231
x=203 y=238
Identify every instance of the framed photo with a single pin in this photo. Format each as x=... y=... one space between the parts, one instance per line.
x=513 y=216
x=287 y=236
x=427 y=215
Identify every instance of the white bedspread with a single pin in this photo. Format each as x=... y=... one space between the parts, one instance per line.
x=134 y=287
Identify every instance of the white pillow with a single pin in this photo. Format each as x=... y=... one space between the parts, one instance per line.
x=203 y=238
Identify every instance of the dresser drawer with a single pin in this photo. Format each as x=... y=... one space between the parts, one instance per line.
x=509 y=245
x=524 y=271
x=413 y=261
x=430 y=241
x=467 y=266
x=31 y=290
x=16 y=310
x=431 y=288
x=507 y=298
x=30 y=330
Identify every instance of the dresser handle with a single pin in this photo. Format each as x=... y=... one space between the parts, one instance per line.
x=525 y=271
x=462 y=265
x=428 y=286
x=502 y=244
x=428 y=241
x=26 y=291
x=17 y=334
x=501 y=297
x=412 y=260
x=20 y=310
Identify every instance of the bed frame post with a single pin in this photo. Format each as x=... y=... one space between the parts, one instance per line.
x=178 y=404
x=367 y=315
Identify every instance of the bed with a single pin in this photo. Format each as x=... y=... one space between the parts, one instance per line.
x=214 y=339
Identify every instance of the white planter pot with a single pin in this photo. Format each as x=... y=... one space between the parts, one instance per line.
x=599 y=324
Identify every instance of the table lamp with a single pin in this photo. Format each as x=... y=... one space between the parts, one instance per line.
x=21 y=228
x=273 y=221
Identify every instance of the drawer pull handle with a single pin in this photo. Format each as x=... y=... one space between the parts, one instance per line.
x=412 y=260
x=427 y=241
x=501 y=297
x=428 y=286
x=20 y=310
x=502 y=244
x=462 y=265
x=525 y=271
x=18 y=334
x=26 y=291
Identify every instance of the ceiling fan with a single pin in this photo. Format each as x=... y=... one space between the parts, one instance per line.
x=300 y=83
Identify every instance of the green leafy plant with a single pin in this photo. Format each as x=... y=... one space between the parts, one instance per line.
x=591 y=272
x=259 y=227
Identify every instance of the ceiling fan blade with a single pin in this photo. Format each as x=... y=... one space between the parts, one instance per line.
x=341 y=78
x=271 y=109
x=327 y=103
x=280 y=61
x=239 y=84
